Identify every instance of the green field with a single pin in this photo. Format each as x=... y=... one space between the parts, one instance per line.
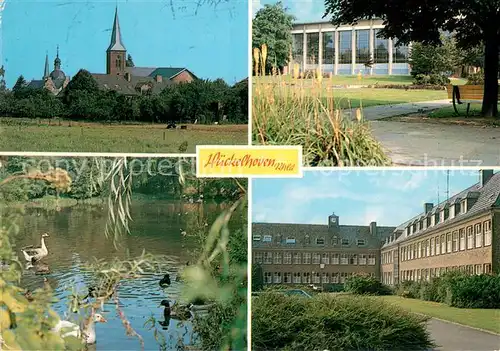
x=487 y=319
x=349 y=80
x=32 y=135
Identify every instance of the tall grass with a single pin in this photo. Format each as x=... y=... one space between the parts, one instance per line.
x=298 y=113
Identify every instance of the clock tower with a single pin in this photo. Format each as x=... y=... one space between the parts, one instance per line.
x=333 y=221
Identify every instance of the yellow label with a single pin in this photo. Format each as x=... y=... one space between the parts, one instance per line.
x=249 y=161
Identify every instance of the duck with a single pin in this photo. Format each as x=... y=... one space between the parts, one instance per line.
x=176 y=311
x=86 y=332
x=165 y=281
x=36 y=254
x=99 y=294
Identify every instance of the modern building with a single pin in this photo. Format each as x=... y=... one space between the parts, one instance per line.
x=462 y=232
x=346 y=49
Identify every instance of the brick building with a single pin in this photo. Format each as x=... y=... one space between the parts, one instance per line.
x=459 y=233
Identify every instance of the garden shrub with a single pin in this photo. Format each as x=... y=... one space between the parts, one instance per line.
x=475 y=291
x=431 y=79
x=476 y=78
x=408 y=289
x=334 y=322
x=429 y=290
x=366 y=285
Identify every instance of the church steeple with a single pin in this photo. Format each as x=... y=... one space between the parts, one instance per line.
x=57 y=61
x=116 y=53
x=46 y=71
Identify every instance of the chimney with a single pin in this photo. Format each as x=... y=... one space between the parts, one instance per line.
x=158 y=78
x=373 y=228
x=128 y=76
x=428 y=207
x=484 y=176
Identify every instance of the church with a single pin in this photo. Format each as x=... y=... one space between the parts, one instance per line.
x=119 y=77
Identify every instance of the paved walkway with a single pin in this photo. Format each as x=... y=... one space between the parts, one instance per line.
x=453 y=337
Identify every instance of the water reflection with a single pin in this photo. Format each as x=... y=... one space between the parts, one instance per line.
x=76 y=237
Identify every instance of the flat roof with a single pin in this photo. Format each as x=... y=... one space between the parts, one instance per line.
x=328 y=22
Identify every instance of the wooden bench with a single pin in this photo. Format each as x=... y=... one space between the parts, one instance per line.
x=469 y=94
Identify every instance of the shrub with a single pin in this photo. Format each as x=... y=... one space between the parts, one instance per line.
x=475 y=291
x=476 y=78
x=334 y=323
x=431 y=79
x=429 y=290
x=408 y=289
x=366 y=285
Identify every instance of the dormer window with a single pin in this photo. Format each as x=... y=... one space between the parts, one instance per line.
x=428 y=221
x=307 y=240
x=420 y=225
x=441 y=216
x=335 y=241
x=361 y=242
x=463 y=206
x=320 y=241
x=290 y=240
x=345 y=242
x=256 y=237
x=267 y=238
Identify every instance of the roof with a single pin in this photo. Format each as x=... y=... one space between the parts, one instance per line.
x=116 y=36
x=36 y=84
x=166 y=72
x=487 y=197
x=123 y=86
x=299 y=232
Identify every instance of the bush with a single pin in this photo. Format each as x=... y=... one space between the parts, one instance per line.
x=334 y=323
x=474 y=291
x=476 y=78
x=408 y=289
x=366 y=285
x=431 y=79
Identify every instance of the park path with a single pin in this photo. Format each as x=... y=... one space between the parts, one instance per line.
x=454 y=337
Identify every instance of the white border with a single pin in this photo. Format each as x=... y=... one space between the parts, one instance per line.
x=300 y=173
x=249 y=181
x=94 y=154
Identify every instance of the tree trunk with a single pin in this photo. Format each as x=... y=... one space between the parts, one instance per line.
x=490 y=99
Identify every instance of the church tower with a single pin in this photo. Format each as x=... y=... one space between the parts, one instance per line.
x=116 y=53
x=46 y=71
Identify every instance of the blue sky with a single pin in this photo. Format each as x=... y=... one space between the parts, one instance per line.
x=357 y=197
x=303 y=10
x=210 y=41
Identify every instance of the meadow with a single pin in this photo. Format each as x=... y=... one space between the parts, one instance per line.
x=18 y=134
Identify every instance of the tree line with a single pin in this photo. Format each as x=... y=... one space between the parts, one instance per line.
x=203 y=101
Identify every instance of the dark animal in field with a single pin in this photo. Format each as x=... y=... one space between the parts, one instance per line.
x=165 y=281
x=171 y=126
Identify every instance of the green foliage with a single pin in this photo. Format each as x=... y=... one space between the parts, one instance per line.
x=476 y=78
x=430 y=60
x=20 y=86
x=130 y=61
x=366 y=285
x=432 y=79
x=328 y=322
x=272 y=26
x=257 y=277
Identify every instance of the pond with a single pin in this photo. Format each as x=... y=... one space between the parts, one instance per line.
x=77 y=236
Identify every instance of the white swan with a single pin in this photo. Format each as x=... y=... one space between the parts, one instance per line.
x=36 y=254
x=86 y=333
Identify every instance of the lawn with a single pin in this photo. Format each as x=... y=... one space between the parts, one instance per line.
x=34 y=135
x=351 y=80
x=488 y=319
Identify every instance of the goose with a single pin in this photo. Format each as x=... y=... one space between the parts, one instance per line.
x=86 y=332
x=165 y=281
x=36 y=254
x=176 y=311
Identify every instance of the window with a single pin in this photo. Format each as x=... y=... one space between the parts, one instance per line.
x=325 y=278
x=296 y=258
x=320 y=241
x=267 y=238
x=258 y=257
x=371 y=259
x=287 y=278
x=345 y=242
x=335 y=241
x=463 y=206
x=118 y=61
x=256 y=237
x=487 y=268
x=427 y=249
x=325 y=258
x=277 y=258
x=312 y=43
x=290 y=240
x=277 y=278
x=345 y=47
x=307 y=240
x=287 y=258
x=353 y=259
x=306 y=278
x=487 y=232
x=316 y=258
x=298 y=48
x=343 y=276
x=419 y=250
x=335 y=258
x=362 y=259
x=448 y=243
x=400 y=53
x=329 y=48
x=461 y=234
x=268 y=257
x=268 y=278
x=443 y=244
x=335 y=278
x=381 y=51
x=316 y=278
x=361 y=242
x=296 y=278
x=479 y=235
x=470 y=238
x=306 y=258
x=362 y=46
x=343 y=258
x=455 y=241
x=433 y=248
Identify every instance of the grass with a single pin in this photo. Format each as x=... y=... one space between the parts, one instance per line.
x=488 y=319
x=34 y=135
x=354 y=80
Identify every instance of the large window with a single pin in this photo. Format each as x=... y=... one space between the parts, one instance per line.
x=277 y=258
x=298 y=47
x=345 y=47
x=329 y=48
x=400 y=53
x=287 y=258
x=362 y=46
x=316 y=258
x=380 y=48
x=296 y=278
x=312 y=48
x=296 y=258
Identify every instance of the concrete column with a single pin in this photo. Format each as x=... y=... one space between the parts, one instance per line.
x=304 y=53
x=320 y=51
x=390 y=45
x=372 y=47
x=409 y=51
x=353 y=49
x=336 y=45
